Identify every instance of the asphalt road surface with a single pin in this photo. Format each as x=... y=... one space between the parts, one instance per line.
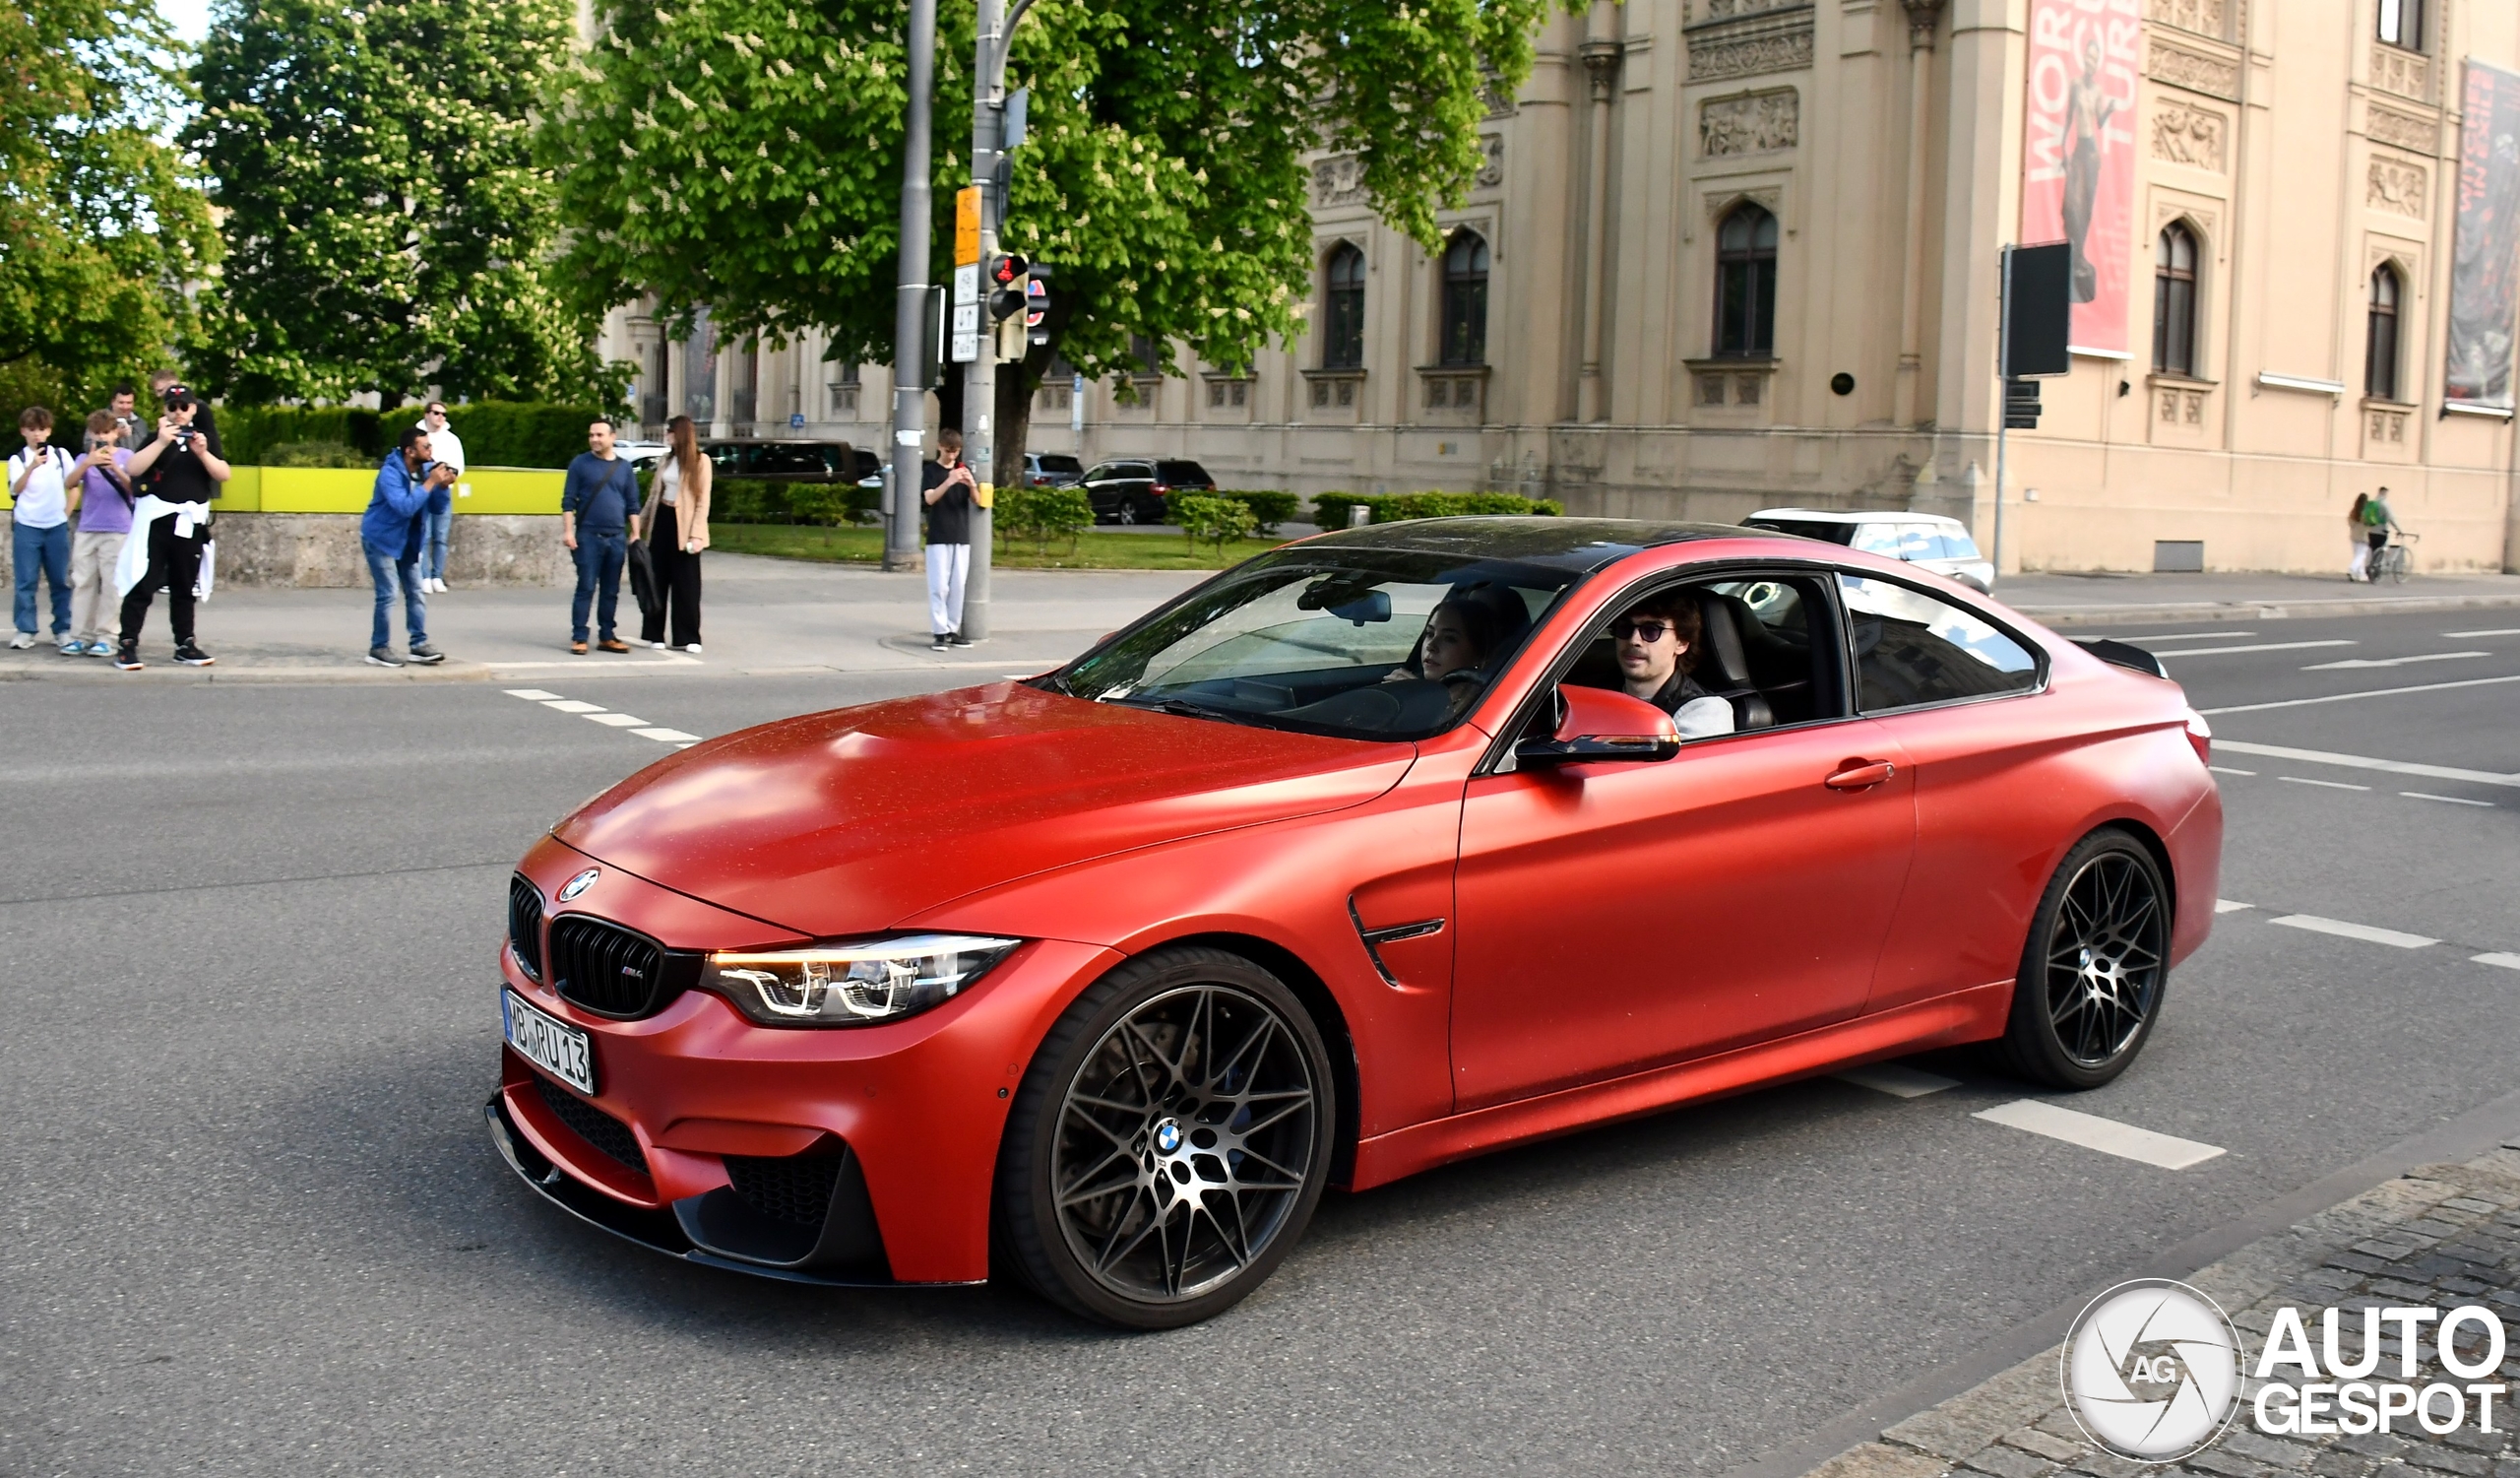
x=253 y=1224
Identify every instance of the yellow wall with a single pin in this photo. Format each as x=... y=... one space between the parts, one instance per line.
x=326 y=489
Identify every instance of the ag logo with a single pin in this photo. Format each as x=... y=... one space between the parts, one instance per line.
x=2151 y=1370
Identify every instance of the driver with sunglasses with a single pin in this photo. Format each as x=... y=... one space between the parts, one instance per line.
x=1655 y=642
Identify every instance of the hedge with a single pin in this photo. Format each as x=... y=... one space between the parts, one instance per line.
x=1040 y=515
x=496 y=433
x=1268 y=509
x=763 y=500
x=1214 y=517
x=1330 y=509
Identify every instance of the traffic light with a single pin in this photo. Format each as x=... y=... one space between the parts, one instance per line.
x=1005 y=274
x=1037 y=303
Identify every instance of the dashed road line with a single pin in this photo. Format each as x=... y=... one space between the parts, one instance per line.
x=2230 y=905
x=572 y=705
x=2184 y=636
x=2497 y=957
x=2452 y=799
x=2375 y=692
x=1897 y=1081
x=2333 y=785
x=2228 y=770
x=2106 y=1135
x=2472 y=635
x=609 y=718
x=2368 y=933
x=2269 y=646
x=616 y=720
x=2367 y=762
x=2389 y=662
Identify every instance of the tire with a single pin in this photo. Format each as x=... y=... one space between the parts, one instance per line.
x=2095 y=968
x=1198 y=1173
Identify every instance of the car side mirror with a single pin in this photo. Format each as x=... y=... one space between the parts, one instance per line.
x=1596 y=724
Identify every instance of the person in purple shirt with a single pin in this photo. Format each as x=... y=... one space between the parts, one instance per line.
x=105 y=522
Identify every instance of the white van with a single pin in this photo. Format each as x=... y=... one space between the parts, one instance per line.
x=1940 y=544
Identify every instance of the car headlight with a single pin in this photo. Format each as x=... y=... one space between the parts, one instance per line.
x=853 y=984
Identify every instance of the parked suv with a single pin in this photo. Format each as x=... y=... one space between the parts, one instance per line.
x=1051 y=469
x=1940 y=544
x=1132 y=492
x=776 y=461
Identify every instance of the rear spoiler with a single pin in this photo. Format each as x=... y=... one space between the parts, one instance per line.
x=2122 y=655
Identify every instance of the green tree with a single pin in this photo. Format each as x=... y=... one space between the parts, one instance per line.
x=386 y=226
x=101 y=225
x=746 y=154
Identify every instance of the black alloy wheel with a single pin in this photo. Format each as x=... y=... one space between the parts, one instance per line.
x=1169 y=1142
x=2097 y=964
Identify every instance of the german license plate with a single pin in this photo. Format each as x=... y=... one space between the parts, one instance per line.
x=548 y=1043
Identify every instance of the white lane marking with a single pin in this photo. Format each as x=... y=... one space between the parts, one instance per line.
x=669 y=735
x=2268 y=646
x=535 y=693
x=2472 y=635
x=2506 y=961
x=2333 y=785
x=2363 y=931
x=2230 y=905
x=2186 y=636
x=1895 y=1080
x=2389 y=662
x=616 y=720
x=2228 y=770
x=573 y=705
x=2367 y=762
x=2453 y=800
x=596 y=712
x=2106 y=1135
x=2377 y=692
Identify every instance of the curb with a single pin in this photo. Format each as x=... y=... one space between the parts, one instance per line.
x=2261 y=610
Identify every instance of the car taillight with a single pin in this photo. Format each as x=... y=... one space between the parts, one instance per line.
x=1160 y=488
x=2200 y=737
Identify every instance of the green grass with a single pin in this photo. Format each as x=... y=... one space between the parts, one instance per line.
x=1092 y=552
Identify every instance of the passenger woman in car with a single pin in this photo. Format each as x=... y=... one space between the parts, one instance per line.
x=1464 y=631
x=1656 y=643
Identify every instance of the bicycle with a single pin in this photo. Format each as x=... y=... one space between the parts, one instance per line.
x=2390 y=561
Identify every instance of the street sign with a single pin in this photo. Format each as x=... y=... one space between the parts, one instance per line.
x=796 y=420
x=967 y=225
x=967 y=284
x=2021 y=405
x=1037 y=302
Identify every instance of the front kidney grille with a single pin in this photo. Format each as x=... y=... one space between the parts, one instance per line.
x=794 y=1189
x=593 y=1125
x=525 y=925
x=608 y=970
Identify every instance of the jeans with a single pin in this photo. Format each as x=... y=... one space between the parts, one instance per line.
x=42 y=552
x=93 y=597
x=434 y=552
x=677 y=582
x=388 y=571
x=599 y=559
x=948 y=566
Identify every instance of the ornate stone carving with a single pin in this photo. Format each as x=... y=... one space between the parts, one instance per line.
x=1337 y=180
x=1771 y=39
x=2390 y=127
x=1601 y=69
x=1750 y=123
x=1725 y=10
x=2396 y=187
x=1491 y=160
x=2186 y=135
x=2196 y=71
x=2203 y=16
x=2405 y=73
x=1922 y=16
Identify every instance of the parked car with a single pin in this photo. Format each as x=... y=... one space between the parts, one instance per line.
x=640 y=453
x=1939 y=544
x=778 y=461
x=1133 y=491
x=1051 y=469
x=1109 y=974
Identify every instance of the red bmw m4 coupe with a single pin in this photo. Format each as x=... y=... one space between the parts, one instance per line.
x=1390 y=847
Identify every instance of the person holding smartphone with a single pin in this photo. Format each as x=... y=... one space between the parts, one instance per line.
x=182 y=470
x=677 y=523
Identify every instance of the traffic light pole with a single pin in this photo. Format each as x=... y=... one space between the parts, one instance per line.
x=909 y=310
x=980 y=377
x=2003 y=383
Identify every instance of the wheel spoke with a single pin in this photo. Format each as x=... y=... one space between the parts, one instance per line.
x=1073 y=1193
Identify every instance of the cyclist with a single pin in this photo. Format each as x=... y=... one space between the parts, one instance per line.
x=2378 y=521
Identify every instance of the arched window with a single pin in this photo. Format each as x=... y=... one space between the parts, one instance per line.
x=2175 y=302
x=2380 y=340
x=2402 y=23
x=1745 y=284
x=1465 y=299
x=1342 y=323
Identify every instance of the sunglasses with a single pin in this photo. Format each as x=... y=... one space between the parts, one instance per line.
x=1648 y=632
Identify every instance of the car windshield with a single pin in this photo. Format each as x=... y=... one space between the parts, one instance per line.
x=1053 y=462
x=1340 y=641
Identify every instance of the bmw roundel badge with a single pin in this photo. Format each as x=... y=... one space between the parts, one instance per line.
x=570 y=890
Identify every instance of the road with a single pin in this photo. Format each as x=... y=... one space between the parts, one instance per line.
x=255 y=1226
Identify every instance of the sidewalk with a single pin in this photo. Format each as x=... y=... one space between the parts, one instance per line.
x=2088 y=600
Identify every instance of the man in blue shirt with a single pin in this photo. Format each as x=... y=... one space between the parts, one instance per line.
x=391 y=534
x=598 y=517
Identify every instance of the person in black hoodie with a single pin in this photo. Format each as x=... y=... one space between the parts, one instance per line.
x=179 y=472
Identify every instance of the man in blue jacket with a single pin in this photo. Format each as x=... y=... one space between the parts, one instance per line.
x=598 y=517
x=392 y=531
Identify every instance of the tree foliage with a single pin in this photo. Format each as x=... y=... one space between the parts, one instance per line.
x=386 y=226
x=746 y=154
x=101 y=225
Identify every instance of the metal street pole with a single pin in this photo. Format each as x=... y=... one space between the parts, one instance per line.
x=980 y=377
x=910 y=309
x=2004 y=396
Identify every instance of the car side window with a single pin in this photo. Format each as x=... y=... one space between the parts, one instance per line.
x=1877 y=539
x=1100 y=472
x=1957 y=544
x=1913 y=649
x=1765 y=644
x=1919 y=542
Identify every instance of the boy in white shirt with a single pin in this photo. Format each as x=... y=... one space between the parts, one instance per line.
x=39 y=528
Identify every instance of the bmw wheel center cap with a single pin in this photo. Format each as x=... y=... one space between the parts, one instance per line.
x=1168 y=1135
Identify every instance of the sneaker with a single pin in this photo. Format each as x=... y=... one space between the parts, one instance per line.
x=382 y=657
x=100 y=648
x=693 y=649
x=437 y=586
x=193 y=656
x=578 y=648
x=127 y=659
x=659 y=646
x=427 y=656
x=22 y=641
x=613 y=643
x=959 y=640
x=942 y=643
x=73 y=649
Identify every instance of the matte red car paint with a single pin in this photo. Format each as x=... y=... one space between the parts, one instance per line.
x=1098 y=832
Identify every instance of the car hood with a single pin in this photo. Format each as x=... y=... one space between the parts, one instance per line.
x=854 y=820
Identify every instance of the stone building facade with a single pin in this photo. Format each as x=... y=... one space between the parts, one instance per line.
x=1733 y=253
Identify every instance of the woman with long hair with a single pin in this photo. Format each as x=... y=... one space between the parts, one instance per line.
x=677 y=525
x=2354 y=531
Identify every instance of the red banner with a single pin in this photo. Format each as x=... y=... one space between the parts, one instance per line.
x=2485 y=275
x=2078 y=154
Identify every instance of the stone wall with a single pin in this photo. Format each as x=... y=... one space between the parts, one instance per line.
x=321 y=550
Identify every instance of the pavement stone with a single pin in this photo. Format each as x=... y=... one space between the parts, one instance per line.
x=2373 y=1251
